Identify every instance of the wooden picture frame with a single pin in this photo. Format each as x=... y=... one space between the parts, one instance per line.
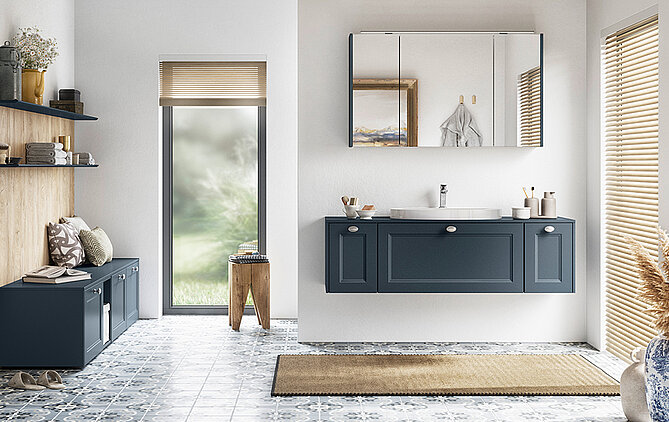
x=411 y=88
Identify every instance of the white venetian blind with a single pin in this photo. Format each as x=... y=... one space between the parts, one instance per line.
x=529 y=107
x=630 y=74
x=213 y=83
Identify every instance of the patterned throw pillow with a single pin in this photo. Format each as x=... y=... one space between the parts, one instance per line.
x=97 y=245
x=64 y=245
x=77 y=222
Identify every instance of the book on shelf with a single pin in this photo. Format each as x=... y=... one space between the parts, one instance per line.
x=49 y=274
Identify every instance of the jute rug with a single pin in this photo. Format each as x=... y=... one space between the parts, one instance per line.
x=447 y=375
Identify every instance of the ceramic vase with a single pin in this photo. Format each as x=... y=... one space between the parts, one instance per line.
x=32 y=82
x=633 y=388
x=657 y=378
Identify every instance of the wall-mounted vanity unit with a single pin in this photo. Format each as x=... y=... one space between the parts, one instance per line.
x=434 y=89
x=385 y=255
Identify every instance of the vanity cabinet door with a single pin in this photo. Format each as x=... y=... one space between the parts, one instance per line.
x=549 y=257
x=451 y=257
x=351 y=257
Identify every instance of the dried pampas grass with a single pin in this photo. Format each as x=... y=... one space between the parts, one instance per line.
x=654 y=280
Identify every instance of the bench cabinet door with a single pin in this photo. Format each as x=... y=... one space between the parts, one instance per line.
x=118 y=289
x=351 y=257
x=132 y=294
x=93 y=321
x=451 y=257
x=549 y=258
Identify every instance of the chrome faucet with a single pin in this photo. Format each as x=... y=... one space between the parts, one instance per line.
x=443 y=190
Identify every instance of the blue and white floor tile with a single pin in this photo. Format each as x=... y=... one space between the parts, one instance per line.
x=194 y=368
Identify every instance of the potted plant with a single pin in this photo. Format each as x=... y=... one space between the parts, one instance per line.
x=655 y=292
x=37 y=53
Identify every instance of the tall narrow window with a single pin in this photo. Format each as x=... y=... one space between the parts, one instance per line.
x=630 y=75
x=214 y=131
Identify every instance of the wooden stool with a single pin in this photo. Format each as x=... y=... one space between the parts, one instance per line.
x=241 y=277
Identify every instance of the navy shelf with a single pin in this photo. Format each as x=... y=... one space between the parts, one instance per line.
x=47 y=165
x=40 y=109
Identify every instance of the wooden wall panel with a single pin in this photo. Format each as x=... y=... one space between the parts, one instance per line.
x=30 y=197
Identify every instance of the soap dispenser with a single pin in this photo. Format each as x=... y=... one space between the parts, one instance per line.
x=548 y=205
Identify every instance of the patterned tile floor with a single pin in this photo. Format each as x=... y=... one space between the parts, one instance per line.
x=195 y=368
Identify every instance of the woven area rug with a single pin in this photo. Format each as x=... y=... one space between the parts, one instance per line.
x=447 y=375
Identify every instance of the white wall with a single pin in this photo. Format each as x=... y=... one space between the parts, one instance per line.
x=117 y=48
x=602 y=14
x=55 y=19
x=476 y=177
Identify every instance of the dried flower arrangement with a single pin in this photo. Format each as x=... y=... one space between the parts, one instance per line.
x=654 y=280
x=36 y=51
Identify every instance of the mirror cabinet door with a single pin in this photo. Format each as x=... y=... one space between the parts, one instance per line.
x=376 y=99
x=518 y=90
x=446 y=89
x=447 y=68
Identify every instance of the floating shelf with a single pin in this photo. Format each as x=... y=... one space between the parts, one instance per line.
x=40 y=109
x=8 y=166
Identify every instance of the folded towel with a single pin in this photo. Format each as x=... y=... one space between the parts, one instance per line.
x=40 y=153
x=44 y=145
x=46 y=160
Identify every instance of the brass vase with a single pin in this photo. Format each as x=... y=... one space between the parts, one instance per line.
x=33 y=86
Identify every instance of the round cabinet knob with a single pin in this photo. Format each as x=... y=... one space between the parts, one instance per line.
x=120 y=276
x=451 y=229
x=123 y=276
x=549 y=229
x=353 y=229
x=97 y=291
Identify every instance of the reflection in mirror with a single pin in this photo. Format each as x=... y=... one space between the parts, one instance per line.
x=446 y=89
x=377 y=103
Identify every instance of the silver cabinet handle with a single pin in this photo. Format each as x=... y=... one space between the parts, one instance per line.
x=451 y=229
x=549 y=229
x=120 y=276
x=97 y=291
x=353 y=229
x=135 y=269
x=123 y=276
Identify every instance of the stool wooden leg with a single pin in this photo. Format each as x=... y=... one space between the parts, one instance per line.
x=239 y=291
x=260 y=292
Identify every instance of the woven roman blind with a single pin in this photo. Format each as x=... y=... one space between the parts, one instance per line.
x=213 y=83
x=630 y=74
x=529 y=107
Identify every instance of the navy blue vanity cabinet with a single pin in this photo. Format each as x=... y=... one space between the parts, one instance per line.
x=62 y=326
x=351 y=257
x=450 y=257
x=549 y=257
x=385 y=255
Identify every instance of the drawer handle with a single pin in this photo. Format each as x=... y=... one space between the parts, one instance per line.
x=353 y=229
x=549 y=229
x=451 y=229
x=97 y=291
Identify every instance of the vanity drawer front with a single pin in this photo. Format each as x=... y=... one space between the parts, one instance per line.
x=451 y=257
x=351 y=257
x=549 y=258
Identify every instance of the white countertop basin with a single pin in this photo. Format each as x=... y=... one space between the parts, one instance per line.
x=426 y=213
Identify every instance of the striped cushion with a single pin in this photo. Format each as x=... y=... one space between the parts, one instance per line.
x=97 y=245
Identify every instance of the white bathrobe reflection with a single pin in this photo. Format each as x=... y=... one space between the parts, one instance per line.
x=460 y=129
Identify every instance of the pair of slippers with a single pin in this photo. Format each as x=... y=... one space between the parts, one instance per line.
x=48 y=379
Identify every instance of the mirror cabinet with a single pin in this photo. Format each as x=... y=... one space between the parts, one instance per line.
x=428 y=89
